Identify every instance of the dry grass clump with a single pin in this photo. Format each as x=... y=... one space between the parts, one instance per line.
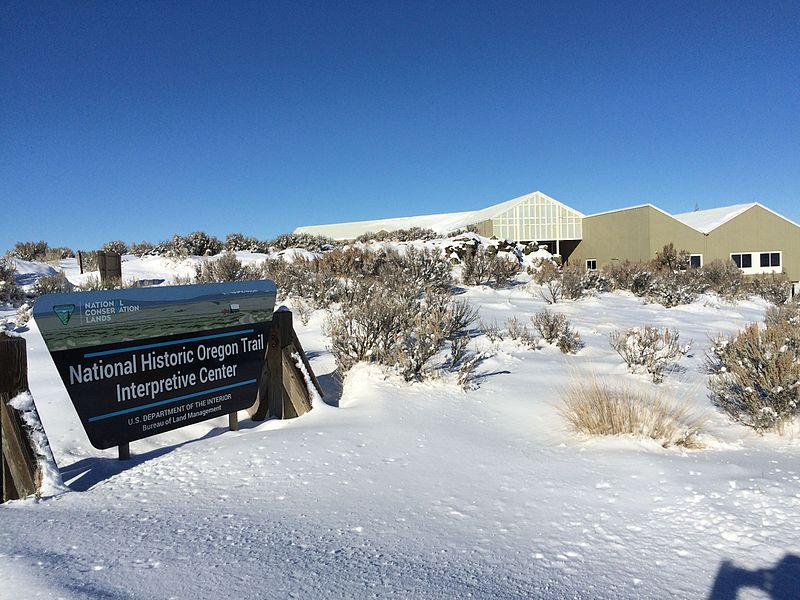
x=596 y=408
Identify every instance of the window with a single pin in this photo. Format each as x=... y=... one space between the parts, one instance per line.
x=770 y=259
x=743 y=261
x=591 y=264
x=695 y=261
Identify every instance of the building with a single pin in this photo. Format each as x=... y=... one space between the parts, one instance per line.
x=756 y=238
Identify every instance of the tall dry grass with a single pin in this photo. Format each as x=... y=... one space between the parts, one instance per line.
x=596 y=408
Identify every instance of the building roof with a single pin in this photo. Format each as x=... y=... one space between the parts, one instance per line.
x=708 y=220
x=440 y=223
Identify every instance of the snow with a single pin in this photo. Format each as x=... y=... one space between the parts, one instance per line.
x=441 y=223
x=705 y=221
x=416 y=490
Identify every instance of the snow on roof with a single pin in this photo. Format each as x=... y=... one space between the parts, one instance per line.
x=706 y=221
x=440 y=223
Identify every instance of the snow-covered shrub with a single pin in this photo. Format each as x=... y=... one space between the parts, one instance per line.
x=556 y=329
x=784 y=313
x=483 y=267
x=424 y=267
x=117 y=246
x=672 y=288
x=519 y=332
x=552 y=291
x=197 y=243
x=313 y=243
x=142 y=248
x=724 y=278
x=569 y=340
x=237 y=242
x=620 y=273
x=543 y=270
x=24 y=314
x=393 y=324
x=641 y=278
x=354 y=261
x=53 y=255
x=774 y=288
x=595 y=408
x=596 y=282
x=577 y=282
x=94 y=284
x=398 y=235
x=52 y=284
x=549 y=324
x=30 y=250
x=549 y=277
x=755 y=375
x=9 y=292
x=224 y=268
x=648 y=349
x=670 y=259
x=491 y=330
x=572 y=282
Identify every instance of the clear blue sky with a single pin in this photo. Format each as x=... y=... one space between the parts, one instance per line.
x=137 y=120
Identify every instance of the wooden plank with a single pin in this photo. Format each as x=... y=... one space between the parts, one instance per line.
x=21 y=476
x=283 y=393
x=299 y=347
x=294 y=383
x=269 y=400
x=19 y=459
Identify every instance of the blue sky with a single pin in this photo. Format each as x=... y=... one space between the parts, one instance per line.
x=138 y=120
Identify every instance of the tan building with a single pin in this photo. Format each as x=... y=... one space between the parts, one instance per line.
x=757 y=239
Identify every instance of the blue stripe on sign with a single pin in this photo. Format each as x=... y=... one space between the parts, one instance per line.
x=117 y=413
x=162 y=344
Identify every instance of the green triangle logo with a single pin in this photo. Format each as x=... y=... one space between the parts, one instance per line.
x=64 y=312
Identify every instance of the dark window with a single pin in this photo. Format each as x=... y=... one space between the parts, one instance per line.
x=695 y=261
x=737 y=258
x=776 y=259
x=747 y=261
x=765 y=259
x=591 y=264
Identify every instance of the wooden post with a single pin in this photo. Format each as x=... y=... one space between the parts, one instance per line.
x=124 y=451
x=80 y=262
x=269 y=401
x=20 y=468
x=233 y=421
x=110 y=265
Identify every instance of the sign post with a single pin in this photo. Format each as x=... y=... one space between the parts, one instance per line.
x=137 y=362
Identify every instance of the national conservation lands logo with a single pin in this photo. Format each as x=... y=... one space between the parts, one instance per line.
x=64 y=312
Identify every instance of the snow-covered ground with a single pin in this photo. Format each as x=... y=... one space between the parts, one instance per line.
x=419 y=490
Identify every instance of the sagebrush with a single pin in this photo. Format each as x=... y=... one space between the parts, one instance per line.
x=755 y=375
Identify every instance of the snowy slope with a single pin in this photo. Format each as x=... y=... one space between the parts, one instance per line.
x=416 y=490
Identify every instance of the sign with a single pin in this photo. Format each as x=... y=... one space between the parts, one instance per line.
x=141 y=361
